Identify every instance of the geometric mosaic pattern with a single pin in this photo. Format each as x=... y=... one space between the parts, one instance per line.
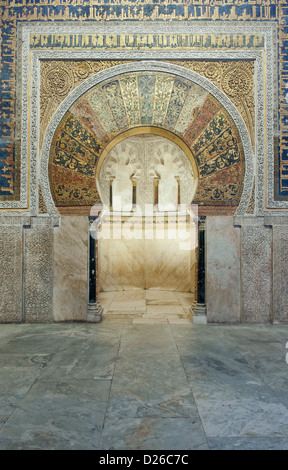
x=151 y=99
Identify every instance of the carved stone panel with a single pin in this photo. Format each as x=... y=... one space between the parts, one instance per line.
x=280 y=270
x=11 y=273
x=38 y=273
x=256 y=261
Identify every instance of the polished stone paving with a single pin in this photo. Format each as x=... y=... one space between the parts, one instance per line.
x=128 y=386
x=147 y=306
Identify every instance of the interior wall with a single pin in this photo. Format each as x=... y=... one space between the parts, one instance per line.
x=35 y=81
x=71 y=269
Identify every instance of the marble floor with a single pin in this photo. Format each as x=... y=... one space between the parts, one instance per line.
x=128 y=386
x=147 y=306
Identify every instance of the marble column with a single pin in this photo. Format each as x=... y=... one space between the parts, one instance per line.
x=200 y=311
x=95 y=310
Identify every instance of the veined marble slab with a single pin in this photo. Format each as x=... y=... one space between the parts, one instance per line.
x=71 y=269
x=223 y=282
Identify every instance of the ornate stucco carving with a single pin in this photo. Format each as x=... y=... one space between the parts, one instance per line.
x=42 y=207
x=251 y=207
x=256 y=266
x=11 y=256
x=59 y=77
x=39 y=271
x=145 y=153
x=234 y=78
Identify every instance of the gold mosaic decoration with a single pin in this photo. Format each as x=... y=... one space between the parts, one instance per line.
x=59 y=78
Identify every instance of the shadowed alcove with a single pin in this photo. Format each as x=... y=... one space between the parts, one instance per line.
x=147 y=243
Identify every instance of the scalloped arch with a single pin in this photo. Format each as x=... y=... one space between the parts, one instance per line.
x=159 y=97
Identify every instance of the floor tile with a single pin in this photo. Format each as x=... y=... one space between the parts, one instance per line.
x=186 y=298
x=164 y=309
x=153 y=434
x=56 y=415
x=248 y=443
x=143 y=383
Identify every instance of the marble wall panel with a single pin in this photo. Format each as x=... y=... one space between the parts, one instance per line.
x=121 y=264
x=11 y=254
x=168 y=267
x=70 y=298
x=256 y=273
x=280 y=273
x=223 y=270
x=147 y=263
x=38 y=271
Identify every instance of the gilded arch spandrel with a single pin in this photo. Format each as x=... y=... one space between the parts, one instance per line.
x=236 y=79
x=59 y=78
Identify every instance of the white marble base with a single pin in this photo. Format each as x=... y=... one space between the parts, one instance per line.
x=94 y=313
x=200 y=319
